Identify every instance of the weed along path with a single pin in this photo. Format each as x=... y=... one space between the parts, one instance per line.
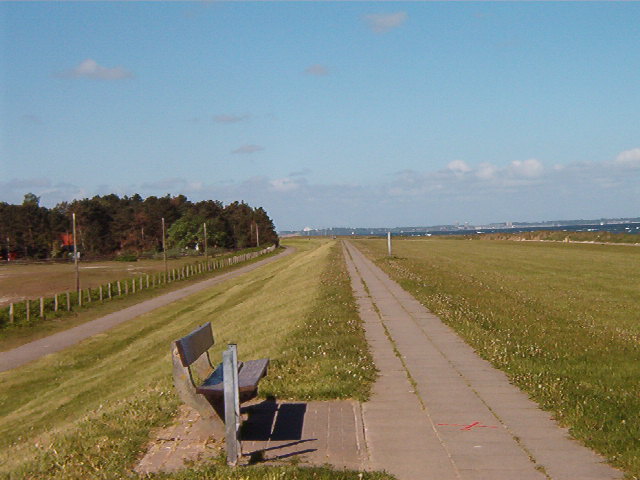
x=439 y=412
x=61 y=340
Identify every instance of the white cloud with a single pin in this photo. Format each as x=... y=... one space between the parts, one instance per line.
x=248 y=149
x=530 y=168
x=89 y=68
x=486 y=171
x=230 y=118
x=629 y=158
x=459 y=167
x=317 y=70
x=284 y=184
x=383 y=22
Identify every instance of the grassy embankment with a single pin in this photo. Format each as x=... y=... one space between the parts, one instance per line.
x=563 y=320
x=87 y=412
x=41 y=277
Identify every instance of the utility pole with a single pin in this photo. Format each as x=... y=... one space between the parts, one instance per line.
x=257 y=235
x=204 y=225
x=75 y=254
x=164 y=253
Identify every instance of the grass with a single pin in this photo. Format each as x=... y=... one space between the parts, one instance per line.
x=87 y=412
x=563 y=320
x=19 y=281
x=21 y=332
x=557 y=236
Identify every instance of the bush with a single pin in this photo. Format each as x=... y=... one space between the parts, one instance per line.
x=127 y=257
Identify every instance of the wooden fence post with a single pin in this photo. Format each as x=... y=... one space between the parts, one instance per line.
x=101 y=293
x=11 y=313
x=68 y=302
x=80 y=298
x=28 y=311
x=88 y=295
x=109 y=290
x=133 y=285
x=147 y=280
x=41 y=307
x=55 y=302
x=119 y=289
x=126 y=287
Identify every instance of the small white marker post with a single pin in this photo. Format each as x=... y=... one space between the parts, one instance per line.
x=389 y=242
x=231 y=403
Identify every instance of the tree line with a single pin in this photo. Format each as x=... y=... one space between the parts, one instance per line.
x=109 y=225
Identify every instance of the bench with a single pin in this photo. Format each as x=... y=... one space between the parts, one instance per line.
x=203 y=387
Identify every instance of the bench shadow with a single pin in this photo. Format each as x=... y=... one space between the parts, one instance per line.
x=269 y=421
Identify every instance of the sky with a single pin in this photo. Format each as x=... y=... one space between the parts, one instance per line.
x=357 y=114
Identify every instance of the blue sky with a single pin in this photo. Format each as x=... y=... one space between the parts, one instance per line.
x=328 y=114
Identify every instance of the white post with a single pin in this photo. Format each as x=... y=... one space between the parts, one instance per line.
x=231 y=406
x=389 y=242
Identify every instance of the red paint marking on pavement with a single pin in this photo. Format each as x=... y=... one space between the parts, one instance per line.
x=470 y=426
x=467 y=427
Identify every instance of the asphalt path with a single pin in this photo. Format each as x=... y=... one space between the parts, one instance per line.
x=59 y=341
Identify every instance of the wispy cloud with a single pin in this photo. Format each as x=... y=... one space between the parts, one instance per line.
x=460 y=190
x=91 y=69
x=300 y=173
x=284 y=184
x=225 y=118
x=317 y=70
x=247 y=149
x=384 y=22
x=629 y=158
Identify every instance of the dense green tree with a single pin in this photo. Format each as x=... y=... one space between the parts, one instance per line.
x=108 y=225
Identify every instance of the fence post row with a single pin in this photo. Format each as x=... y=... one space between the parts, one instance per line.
x=184 y=272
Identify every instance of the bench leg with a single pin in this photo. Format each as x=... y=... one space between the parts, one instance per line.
x=208 y=410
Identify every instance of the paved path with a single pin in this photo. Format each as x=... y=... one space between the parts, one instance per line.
x=316 y=433
x=440 y=412
x=61 y=340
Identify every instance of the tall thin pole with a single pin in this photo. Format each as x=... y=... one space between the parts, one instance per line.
x=204 y=225
x=75 y=254
x=164 y=253
x=257 y=235
x=389 y=242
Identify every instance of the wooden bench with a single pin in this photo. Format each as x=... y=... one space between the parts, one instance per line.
x=203 y=387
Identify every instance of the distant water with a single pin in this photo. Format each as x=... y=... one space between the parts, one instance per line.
x=613 y=228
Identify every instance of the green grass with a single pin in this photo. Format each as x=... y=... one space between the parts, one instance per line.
x=272 y=473
x=21 y=332
x=556 y=236
x=87 y=412
x=563 y=320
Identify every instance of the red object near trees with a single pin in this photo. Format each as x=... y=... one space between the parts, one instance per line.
x=67 y=239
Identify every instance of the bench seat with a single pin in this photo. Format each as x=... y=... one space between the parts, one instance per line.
x=249 y=375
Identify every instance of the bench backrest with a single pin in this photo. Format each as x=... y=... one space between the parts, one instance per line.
x=191 y=346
